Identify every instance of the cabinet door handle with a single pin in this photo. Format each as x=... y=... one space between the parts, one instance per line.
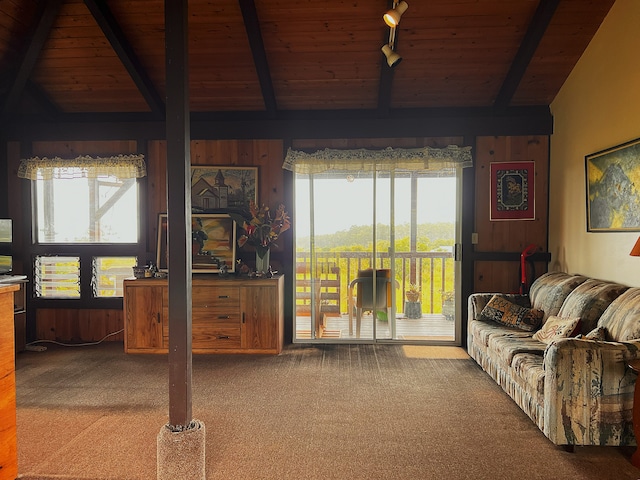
x=158 y=315
x=242 y=317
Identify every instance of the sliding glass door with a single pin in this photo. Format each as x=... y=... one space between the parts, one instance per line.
x=375 y=256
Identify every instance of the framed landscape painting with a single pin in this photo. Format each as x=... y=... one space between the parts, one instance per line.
x=215 y=188
x=613 y=189
x=512 y=191
x=213 y=237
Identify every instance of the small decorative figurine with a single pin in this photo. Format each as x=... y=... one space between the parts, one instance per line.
x=224 y=269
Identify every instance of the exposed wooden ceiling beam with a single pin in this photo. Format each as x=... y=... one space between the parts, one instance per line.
x=536 y=120
x=49 y=108
x=252 y=26
x=107 y=22
x=37 y=40
x=535 y=32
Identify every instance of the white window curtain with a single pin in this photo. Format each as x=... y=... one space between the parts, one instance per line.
x=388 y=159
x=120 y=166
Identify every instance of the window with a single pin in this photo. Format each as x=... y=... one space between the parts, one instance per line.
x=57 y=277
x=393 y=212
x=78 y=204
x=87 y=210
x=108 y=274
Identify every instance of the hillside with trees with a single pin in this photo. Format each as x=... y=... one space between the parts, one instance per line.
x=430 y=237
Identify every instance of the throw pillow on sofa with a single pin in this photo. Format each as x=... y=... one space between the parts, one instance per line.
x=598 y=334
x=501 y=310
x=555 y=328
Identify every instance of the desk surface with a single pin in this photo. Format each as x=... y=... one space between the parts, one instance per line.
x=12 y=279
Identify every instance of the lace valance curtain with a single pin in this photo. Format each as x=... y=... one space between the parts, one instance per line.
x=398 y=159
x=121 y=166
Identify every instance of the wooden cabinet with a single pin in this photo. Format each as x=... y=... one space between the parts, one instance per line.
x=8 y=442
x=234 y=315
x=143 y=312
x=260 y=302
x=20 y=315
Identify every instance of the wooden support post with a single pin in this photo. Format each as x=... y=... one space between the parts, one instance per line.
x=179 y=210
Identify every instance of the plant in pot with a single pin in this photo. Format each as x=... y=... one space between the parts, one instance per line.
x=448 y=304
x=413 y=293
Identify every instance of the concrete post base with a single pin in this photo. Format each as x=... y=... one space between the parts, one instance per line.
x=181 y=455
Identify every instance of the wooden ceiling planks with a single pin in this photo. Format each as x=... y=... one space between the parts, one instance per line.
x=318 y=55
x=569 y=33
x=80 y=72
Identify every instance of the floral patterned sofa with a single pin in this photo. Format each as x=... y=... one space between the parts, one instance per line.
x=576 y=386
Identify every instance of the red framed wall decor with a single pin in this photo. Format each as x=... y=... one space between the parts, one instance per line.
x=512 y=191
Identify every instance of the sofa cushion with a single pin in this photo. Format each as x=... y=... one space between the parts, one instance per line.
x=622 y=317
x=509 y=314
x=530 y=368
x=505 y=347
x=482 y=331
x=556 y=327
x=589 y=300
x=550 y=290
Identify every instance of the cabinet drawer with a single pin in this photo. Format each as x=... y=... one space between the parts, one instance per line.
x=206 y=322
x=210 y=336
x=206 y=297
x=223 y=297
x=215 y=316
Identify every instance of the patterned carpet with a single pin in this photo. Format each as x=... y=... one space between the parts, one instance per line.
x=313 y=412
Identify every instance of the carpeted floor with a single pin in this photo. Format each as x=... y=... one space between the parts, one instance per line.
x=313 y=412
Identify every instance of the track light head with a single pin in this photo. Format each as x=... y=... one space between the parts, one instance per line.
x=392 y=17
x=393 y=58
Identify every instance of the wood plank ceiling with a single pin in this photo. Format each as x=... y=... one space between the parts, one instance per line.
x=269 y=59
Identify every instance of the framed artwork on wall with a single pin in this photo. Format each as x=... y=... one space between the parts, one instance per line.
x=216 y=188
x=613 y=189
x=512 y=191
x=213 y=237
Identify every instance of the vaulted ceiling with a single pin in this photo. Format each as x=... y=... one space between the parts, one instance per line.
x=274 y=58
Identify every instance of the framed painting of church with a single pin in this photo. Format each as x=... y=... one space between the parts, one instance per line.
x=220 y=188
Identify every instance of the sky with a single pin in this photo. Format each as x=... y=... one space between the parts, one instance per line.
x=341 y=204
x=71 y=216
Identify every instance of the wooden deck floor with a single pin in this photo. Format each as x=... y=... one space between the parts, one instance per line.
x=428 y=328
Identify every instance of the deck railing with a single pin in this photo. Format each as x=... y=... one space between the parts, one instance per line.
x=433 y=272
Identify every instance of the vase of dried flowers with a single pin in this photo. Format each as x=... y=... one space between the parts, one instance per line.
x=262 y=262
x=262 y=230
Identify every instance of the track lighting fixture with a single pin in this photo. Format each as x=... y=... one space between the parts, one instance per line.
x=393 y=58
x=392 y=17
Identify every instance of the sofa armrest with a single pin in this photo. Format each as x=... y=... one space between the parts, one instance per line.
x=588 y=392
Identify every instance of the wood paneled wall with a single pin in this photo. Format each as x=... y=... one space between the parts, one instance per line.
x=267 y=155
x=79 y=325
x=509 y=236
x=63 y=324
x=493 y=237
x=87 y=325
